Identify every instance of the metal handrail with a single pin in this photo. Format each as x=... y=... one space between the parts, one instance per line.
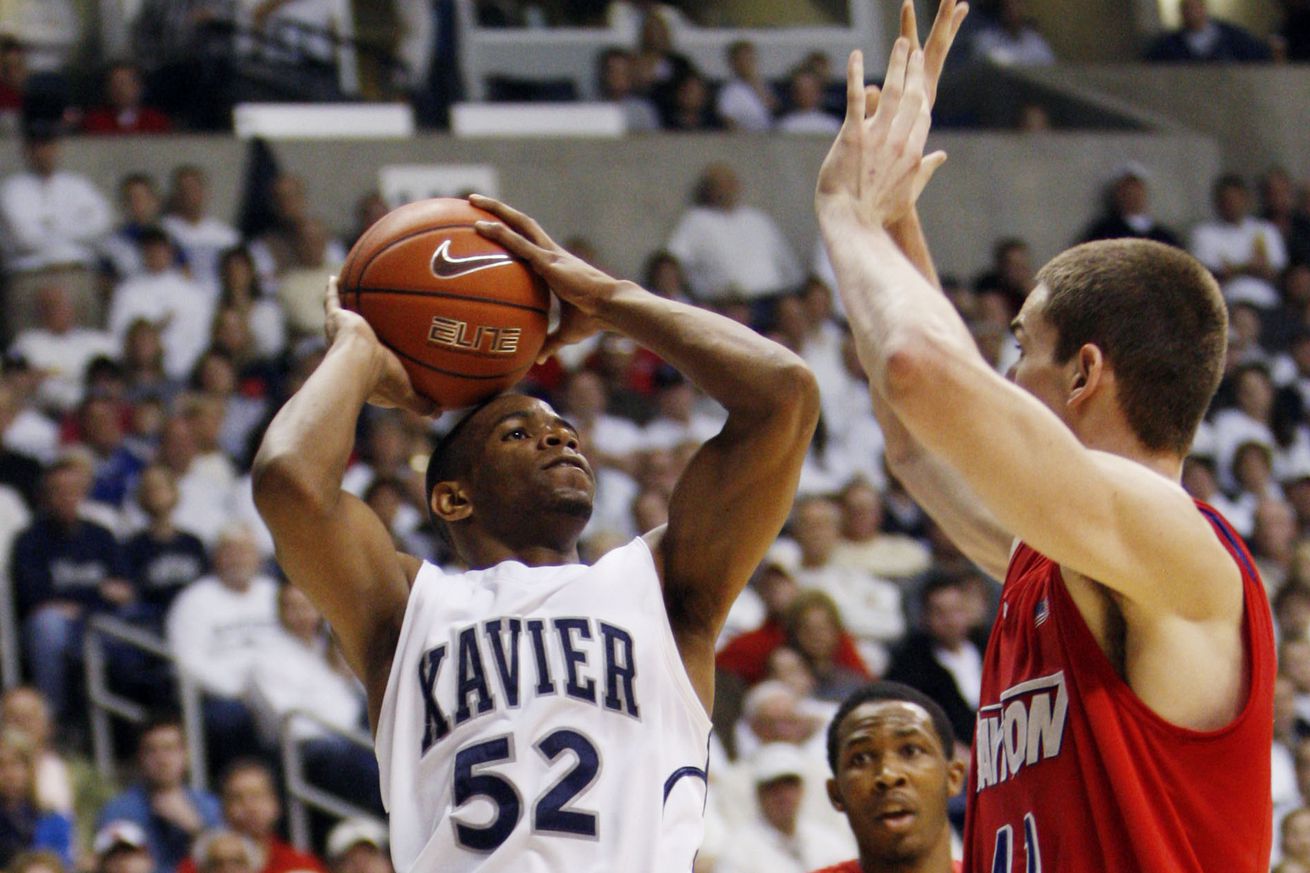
x=301 y=794
x=10 y=657
x=105 y=702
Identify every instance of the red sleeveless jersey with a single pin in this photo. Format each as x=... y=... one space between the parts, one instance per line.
x=1071 y=772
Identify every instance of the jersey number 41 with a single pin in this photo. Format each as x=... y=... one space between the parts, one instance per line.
x=1003 y=858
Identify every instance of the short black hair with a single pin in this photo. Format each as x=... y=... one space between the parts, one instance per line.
x=938 y=581
x=880 y=692
x=244 y=764
x=163 y=717
x=450 y=460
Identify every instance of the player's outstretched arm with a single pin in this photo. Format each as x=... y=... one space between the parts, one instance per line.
x=1106 y=517
x=735 y=494
x=329 y=543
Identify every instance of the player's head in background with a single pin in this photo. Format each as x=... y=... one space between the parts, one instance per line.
x=510 y=475
x=1124 y=340
x=891 y=749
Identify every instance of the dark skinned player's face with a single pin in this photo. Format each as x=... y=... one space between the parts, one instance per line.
x=530 y=462
x=893 y=780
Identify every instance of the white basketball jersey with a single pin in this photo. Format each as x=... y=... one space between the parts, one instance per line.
x=540 y=719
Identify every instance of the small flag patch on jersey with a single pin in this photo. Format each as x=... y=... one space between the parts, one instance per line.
x=1042 y=612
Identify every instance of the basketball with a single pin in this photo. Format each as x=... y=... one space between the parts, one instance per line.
x=465 y=317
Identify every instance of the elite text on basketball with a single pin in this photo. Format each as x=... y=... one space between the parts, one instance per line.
x=479 y=338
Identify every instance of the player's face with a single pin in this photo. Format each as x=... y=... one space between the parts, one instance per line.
x=893 y=781
x=531 y=460
x=1036 y=371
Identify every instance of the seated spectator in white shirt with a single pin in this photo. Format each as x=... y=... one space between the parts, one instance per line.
x=22 y=708
x=162 y=294
x=301 y=287
x=866 y=546
x=680 y=419
x=1245 y=253
x=50 y=219
x=241 y=290
x=275 y=251
x=625 y=17
x=615 y=84
x=23 y=429
x=815 y=631
x=1011 y=39
x=777 y=838
x=201 y=237
x=140 y=204
x=60 y=350
x=745 y=102
x=728 y=249
x=204 y=487
x=807 y=114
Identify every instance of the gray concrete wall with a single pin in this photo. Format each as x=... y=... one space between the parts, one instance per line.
x=626 y=195
x=1258 y=114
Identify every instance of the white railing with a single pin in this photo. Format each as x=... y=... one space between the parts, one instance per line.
x=106 y=704
x=303 y=795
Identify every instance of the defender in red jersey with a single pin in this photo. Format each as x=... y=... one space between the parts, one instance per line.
x=892 y=754
x=1127 y=693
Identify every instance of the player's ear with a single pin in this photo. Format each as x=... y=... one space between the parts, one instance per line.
x=956 y=771
x=1088 y=367
x=450 y=502
x=834 y=796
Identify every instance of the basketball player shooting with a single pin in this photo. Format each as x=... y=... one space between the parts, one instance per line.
x=1126 y=709
x=535 y=714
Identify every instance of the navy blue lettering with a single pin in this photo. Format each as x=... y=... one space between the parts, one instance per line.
x=620 y=670
x=472 y=678
x=506 y=665
x=565 y=627
x=435 y=725
x=537 y=630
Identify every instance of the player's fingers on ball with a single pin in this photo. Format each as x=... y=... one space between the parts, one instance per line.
x=872 y=94
x=331 y=296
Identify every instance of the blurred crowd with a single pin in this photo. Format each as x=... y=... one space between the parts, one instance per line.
x=184 y=65
x=147 y=342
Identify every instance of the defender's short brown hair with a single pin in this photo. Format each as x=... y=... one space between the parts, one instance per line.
x=1157 y=315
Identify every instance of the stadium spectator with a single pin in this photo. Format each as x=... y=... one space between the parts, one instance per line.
x=628 y=17
x=142 y=358
x=865 y=545
x=1278 y=206
x=25 y=825
x=51 y=222
x=1273 y=541
x=663 y=275
x=24 y=431
x=1245 y=253
x=59 y=349
x=1201 y=481
x=745 y=102
x=688 y=105
x=747 y=655
x=943 y=659
x=1294 y=840
x=776 y=837
x=814 y=630
x=806 y=112
x=1128 y=209
x=870 y=607
x=13 y=82
x=122 y=847
x=890 y=750
x=140 y=206
x=1010 y=279
x=216 y=378
x=161 y=559
x=22 y=708
x=201 y=237
x=1203 y=39
x=300 y=289
x=730 y=249
x=358 y=845
x=1249 y=420
x=115 y=466
x=615 y=83
x=1009 y=39
x=123 y=112
x=276 y=250
x=251 y=808
x=180 y=307
x=64 y=568
x=240 y=289
x=225 y=851
x=217 y=629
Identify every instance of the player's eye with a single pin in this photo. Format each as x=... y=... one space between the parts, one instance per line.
x=517 y=433
x=911 y=751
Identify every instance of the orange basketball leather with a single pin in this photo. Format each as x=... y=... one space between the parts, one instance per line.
x=465 y=317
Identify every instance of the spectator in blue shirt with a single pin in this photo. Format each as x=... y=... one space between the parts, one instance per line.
x=24 y=825
x=162 y=559
x=64 y=568
x=1203 y=39
x=171 y=813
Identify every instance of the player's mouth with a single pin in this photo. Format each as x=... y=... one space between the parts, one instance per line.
x=897 y=818
x=574 y=461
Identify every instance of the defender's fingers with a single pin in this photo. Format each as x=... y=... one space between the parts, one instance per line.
x=911 y=101
x=520 y=221
x=893 y=86
x=855 y=87
x=909 y=23
x=872 y=94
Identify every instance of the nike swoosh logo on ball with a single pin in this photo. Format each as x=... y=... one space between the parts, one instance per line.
x=447 y=266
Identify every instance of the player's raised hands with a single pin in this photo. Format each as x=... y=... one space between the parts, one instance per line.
x=392 y=386
x=581 y=288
